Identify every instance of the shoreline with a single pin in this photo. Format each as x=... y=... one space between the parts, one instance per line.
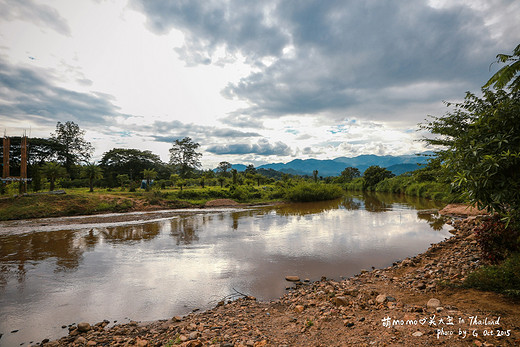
x=413 y=302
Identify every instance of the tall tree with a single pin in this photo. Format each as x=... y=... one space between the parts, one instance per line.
x=223 y=168
x=149 y=175
x=508 y=73
x=184 y=157
x=250 y=169
x=92 y=172
x=74 y=148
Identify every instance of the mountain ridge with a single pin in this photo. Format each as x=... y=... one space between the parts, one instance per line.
x=333 y=167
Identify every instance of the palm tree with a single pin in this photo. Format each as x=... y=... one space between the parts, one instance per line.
x=52 y=171
x=503 y=76
x=92 y=172
x=149 y=175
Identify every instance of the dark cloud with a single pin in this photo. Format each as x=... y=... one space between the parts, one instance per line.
x=240 y=25
x=40 y=14
x=30 y=94
x=329 y=56
x=263 y=147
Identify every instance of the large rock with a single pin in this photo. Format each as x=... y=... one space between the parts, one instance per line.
x=292 y=278
x=83 y=327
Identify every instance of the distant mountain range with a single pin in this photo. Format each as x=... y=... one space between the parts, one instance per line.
x=333 y=167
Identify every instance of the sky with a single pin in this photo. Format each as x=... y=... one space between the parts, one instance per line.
x=252 y=82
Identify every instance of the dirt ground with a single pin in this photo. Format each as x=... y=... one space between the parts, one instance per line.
x=414 y=302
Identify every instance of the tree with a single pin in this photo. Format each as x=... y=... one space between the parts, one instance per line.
x=507 y=74
x=52 y=171
x=149 y=175
x=123 y=180
x=375 y=174
x=132 y=162
x=223 y=168
x=315 y=175
x=183 y=156
x=74 y=148
x=92 y=172
x=480 y=148
x=349 y=174
x=221 y=180
x=250 y=169
x=234 y=174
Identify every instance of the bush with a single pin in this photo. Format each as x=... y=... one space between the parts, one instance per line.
x=313 y=192
x=503 y=278
x=497 y=240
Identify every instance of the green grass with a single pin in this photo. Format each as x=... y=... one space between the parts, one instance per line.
x=503 y=278
x=79 y=201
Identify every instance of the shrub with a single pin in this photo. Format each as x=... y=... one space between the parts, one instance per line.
x=497 y=240
x=313 y=192
x=503 y=278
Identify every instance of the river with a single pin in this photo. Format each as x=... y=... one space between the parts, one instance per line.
x=56 y=274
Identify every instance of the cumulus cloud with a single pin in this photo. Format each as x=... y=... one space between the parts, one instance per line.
x=262 y=147
x=365 y=58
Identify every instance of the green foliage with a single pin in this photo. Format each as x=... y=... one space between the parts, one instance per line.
x=149 y=175
x=355 y=185
x=304 y=191
x=481 y=138
x=373 y=175
x=497 y=240
x=349 y=174
x=184 y=157
x=131 y=162
x=74 y=149
x=92 y=172
x=503 y=278
x=508 y=73
x=52 y=171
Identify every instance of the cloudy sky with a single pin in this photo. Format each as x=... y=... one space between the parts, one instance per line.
x=251 y=81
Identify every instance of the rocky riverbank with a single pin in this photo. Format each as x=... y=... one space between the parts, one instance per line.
x=414 y=302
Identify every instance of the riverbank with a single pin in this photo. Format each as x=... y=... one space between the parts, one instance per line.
x=416 y=301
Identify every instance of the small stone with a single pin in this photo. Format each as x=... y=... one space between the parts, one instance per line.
x=94 y=343
x=417 y=334
x=341 y=301
x=83 y=327
x=141 y=342
x=433 y=303
x=177 y=319
x=292 y=278
x=381 y=298
x=299 y=308
x=183 y=338
x=81 y=340
x=420 y=285
x=193 y=335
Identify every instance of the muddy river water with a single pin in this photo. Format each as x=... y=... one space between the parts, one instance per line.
x=144 y=267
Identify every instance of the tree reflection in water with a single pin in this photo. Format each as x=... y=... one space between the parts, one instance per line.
x=184 y=229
